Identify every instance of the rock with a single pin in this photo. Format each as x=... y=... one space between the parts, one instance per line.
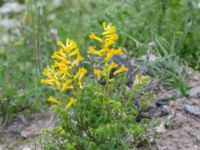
x=163 y=113
x=26 y=148
x=30 y=132
x=195 y=92
x=161 y=128
x=151 y=58
x=198 y=138
x=193 y=135
x=194 y=110
x=162 y=102
x=36 y=126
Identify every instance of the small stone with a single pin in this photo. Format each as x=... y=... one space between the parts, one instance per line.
x=161 y=128
x=30 y=132
x=195 y=92
x=162 y=102
x=26 y=148
x=198 y=138
x=163 y=113
x=194 y=110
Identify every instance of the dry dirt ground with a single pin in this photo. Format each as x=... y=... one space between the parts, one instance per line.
x=180 y=129
x=19 y=134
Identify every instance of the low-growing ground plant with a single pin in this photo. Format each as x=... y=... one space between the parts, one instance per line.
x=93 y=115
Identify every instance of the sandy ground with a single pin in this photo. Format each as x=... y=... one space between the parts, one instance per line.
x=183 y=131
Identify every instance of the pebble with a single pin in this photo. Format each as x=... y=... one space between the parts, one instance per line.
x=194 y=110
x=195 y=92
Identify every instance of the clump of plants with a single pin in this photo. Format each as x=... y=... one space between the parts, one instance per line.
x=93 y=115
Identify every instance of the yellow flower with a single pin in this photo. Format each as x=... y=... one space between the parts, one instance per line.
x=61 y=65
x=112 y=37
x=121 y=69
x=75 y=52
x=94 y=37
x=97 y=73
x=71 y=101
x=108 y=56
x=61 y=74
x=51 y=75
x=118 y=51
x=60 y=43
x=56 y=64
x=109 y=35
x=56 y=55
x=79 y=76
x=143 y=79
x=77 y=60
x=108 y=28
x=113 y=65
x=67 y=85
x=48 y=81
x=81 y=72
x=112 y=52
x=107 y=68
x=53 y=101
x=110 y=40
x=91 y=50
x=102 y=51
x=71 y=44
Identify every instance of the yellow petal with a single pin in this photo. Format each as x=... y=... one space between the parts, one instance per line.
x=53 y=101
x=71 y=44
x=75 y=52
x=71 y=101
x=113 y=65
x=94 y=37
x=59 y=43
x=80 y=83
x=97 y=73
x=81 y=72
x=108 y=29
x=67 y=85
x=56 y=55
x=112 y=52
x=48 y=81
x=118 y=51
x=121 y=69
x=78 y=59
x=91 y=50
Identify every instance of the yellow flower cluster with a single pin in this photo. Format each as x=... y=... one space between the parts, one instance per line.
x=61 y=74
x=107 y=39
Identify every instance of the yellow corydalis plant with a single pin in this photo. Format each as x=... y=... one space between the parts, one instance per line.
x=65 y=73
x=107 y=39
